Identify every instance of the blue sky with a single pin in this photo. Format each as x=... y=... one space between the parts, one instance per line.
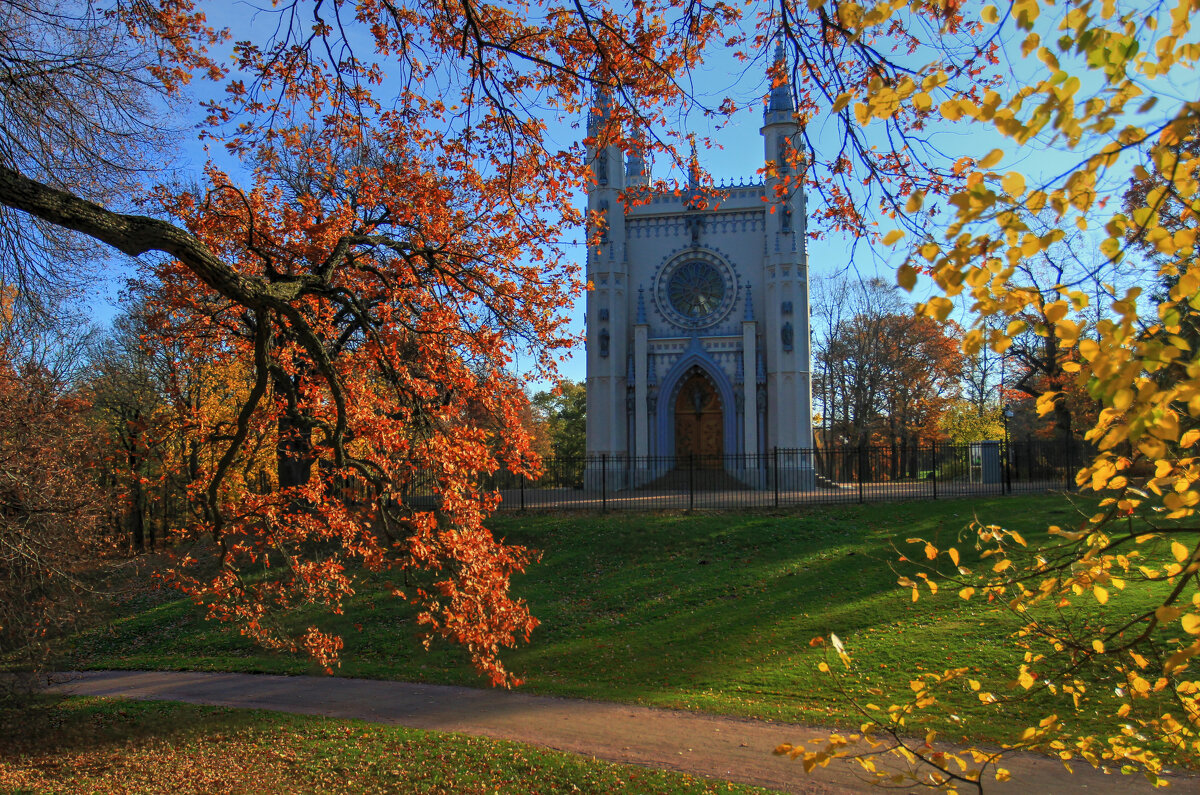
x=739 y=155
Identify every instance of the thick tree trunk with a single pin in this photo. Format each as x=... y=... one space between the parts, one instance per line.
x=293 y=454
x=294 y=457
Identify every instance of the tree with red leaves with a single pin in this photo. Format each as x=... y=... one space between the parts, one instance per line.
x=388 y=242
x=51 y=506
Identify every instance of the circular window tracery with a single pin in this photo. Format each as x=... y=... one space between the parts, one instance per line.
x=695 y=290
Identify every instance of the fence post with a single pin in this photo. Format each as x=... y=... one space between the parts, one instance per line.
x=522 y=491
x=691 y=481
x=1007 y=466
x=1070 y=463
x=604 y=481
x=862 y=460
x=775 y=455
x=933 y=469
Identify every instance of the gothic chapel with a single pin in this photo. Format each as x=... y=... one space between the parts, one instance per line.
x=698 y=322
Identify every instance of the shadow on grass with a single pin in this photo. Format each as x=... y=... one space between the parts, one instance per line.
x=99 y=745
x=710 y=611
x=48 y=725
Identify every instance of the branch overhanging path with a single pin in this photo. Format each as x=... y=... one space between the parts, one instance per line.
x=728 y=748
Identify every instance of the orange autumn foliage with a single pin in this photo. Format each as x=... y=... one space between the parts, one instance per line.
x=390 y=236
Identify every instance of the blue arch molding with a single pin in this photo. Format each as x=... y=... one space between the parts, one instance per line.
x=664 y=418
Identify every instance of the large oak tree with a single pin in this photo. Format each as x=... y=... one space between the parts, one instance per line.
x=387 y=240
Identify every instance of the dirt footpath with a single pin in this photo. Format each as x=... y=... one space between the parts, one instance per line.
x=734 y=749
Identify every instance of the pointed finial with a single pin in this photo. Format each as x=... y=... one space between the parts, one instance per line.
x=635 y=165
x=635 y=161
x=749 y=315
x=641 y=306
x=781 y=95
x=601 y=110
x=693 y=166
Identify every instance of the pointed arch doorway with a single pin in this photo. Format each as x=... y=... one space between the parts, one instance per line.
x=699 y=423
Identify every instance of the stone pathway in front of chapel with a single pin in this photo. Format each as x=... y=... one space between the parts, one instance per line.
x=733 y=749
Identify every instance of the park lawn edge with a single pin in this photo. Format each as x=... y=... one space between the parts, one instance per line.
x=622 y=594
x=88 y=744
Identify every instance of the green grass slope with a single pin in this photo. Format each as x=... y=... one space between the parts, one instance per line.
x=705 y=612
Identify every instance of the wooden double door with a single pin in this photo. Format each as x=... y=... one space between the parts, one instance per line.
x=699 y=424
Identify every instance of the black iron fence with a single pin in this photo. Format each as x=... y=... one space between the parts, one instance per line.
x=782 y=478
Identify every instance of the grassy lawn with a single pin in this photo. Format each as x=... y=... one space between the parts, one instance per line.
x=703 y=612
x=97 y=745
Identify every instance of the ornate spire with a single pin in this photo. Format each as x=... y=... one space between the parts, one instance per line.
x=635 y=165
x=641 y=307
x=749 y=314
x=693 y=166
x=781 y=95
x=601 y=110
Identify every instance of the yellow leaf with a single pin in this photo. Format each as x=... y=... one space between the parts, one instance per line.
x=953 y=553
x=842 y=101
x=990 y=15
x=966 y=593
x=892 y=237
x=1098 y=646
x=1101 y=594
x=1013 y=183
x=937 y=307
x=906 y=277
x=1167 y=613
x=1191 y=624
x=951 y=109
x=1030 y=44
x=930 y=551
x=1180 y=552
x=1180 y=657
x=915 y=201
x=992 y=158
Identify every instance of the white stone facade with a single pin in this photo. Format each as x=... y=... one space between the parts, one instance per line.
x=699 y=312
